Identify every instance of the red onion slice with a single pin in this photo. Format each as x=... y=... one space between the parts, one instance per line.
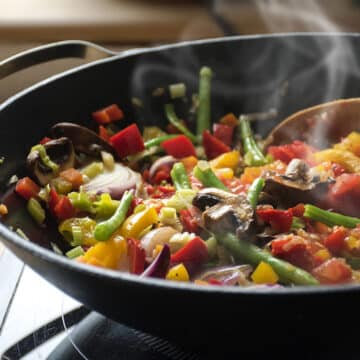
x=159 y=267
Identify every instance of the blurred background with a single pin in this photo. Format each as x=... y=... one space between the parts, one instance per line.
x=123 y=24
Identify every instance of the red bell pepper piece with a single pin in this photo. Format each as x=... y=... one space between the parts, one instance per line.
x=179 y=147
x=189 y=221
x=333 y=271
x=195 y=252
x=103 y=133
x=280 y=220
x=128 y=141
x=230 y=120
x=298 y=210
x=213 y=147
x=288 y=152
x=44 y=140
x=53 y=200
x=335 y=242
x=161 y=175
x=64 y=209
x=224 y=133
x=108 y=114
x=27 y=188
x=136 y=256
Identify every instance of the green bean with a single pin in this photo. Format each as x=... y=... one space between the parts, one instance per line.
x=245 y=251
x=179 y=177
x=158 y=140
x=253 y=154
x=204 y=109
x=173 y=119
x=330 y=218
x=105 y=229
x=204 y=173
x=254 y=191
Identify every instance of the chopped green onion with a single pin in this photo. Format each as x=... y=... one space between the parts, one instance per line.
x=61 y=185
x=75 y=252
x=81 y=201
x=76 y=235
x=330 y=218
x=177 y=90
x=21 y=233
x=36 y=211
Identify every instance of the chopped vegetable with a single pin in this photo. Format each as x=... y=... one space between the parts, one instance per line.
x=203 y=172
x=224 y=133
x=87 y=226
x=45 y=157
x=347 y=159
x=227 y=160
x=108 y=160
x=179 y=177
x=254 y=191
x=280 y=220
x=253 y=154
x=264 y=274
x=286 y=153
x=204 y=108
x=26 y=188
x=93 y=169
x=108 y=114
x=128 y=141
x=105 y=229
x=178 y=273
x=213 y=147
x=173 y=119
x=177 y=90
x=75 y=252
x=330 y=218
x=36 y=211
x=136 y=256
x=73 y=176
x=179 y=147
x=64 y=209
x=3 y=210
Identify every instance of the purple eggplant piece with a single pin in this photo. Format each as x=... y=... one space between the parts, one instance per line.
x=159 y=267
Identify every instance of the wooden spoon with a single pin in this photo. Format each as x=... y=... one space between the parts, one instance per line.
x=319 y=126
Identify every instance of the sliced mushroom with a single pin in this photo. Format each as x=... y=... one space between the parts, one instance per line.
x=211 y=196
x=233 y=215
x=60 y=151
x=83 y=139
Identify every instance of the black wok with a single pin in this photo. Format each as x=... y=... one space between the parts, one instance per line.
x=256 y=73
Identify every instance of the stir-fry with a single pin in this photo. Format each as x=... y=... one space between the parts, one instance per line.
x=197 y=201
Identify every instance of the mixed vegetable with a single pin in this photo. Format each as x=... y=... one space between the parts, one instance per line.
x=198 y=202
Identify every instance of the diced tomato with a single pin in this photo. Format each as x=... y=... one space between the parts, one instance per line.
x=195 y=252
x=53 y=199
x=136 y=256
x=104 y=134
x=108 y=114
x=179 y=147
x=295 y=150
x=161 y=175
x=213 y=147
x=344 y=195
x=64 y=209
x=128 y=141
x=189 y=220
x=73 y=176
x=214 y=281
x=27 y=188
x=295 y=250
x=280 y=220
x=230 y=120
x=333 y=271
x=335 y=242
x=338 y=169
x=44 y=140
x=298 y=210
x=224 y=133
x=163 y=192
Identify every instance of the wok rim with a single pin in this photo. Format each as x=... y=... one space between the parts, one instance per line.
x=8 y=236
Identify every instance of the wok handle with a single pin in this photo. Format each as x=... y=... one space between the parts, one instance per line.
x=53 y=51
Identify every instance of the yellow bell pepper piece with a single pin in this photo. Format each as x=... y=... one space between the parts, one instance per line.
x=227 y=160
x=189 y=163
x=110 y=254
x=347 y=159
x=87 y=226
x=323 y=254
x=350 y=143
x=224 y=173
x=352 y=243
x=264 y=274
x=136 y=223
x=178 y=273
